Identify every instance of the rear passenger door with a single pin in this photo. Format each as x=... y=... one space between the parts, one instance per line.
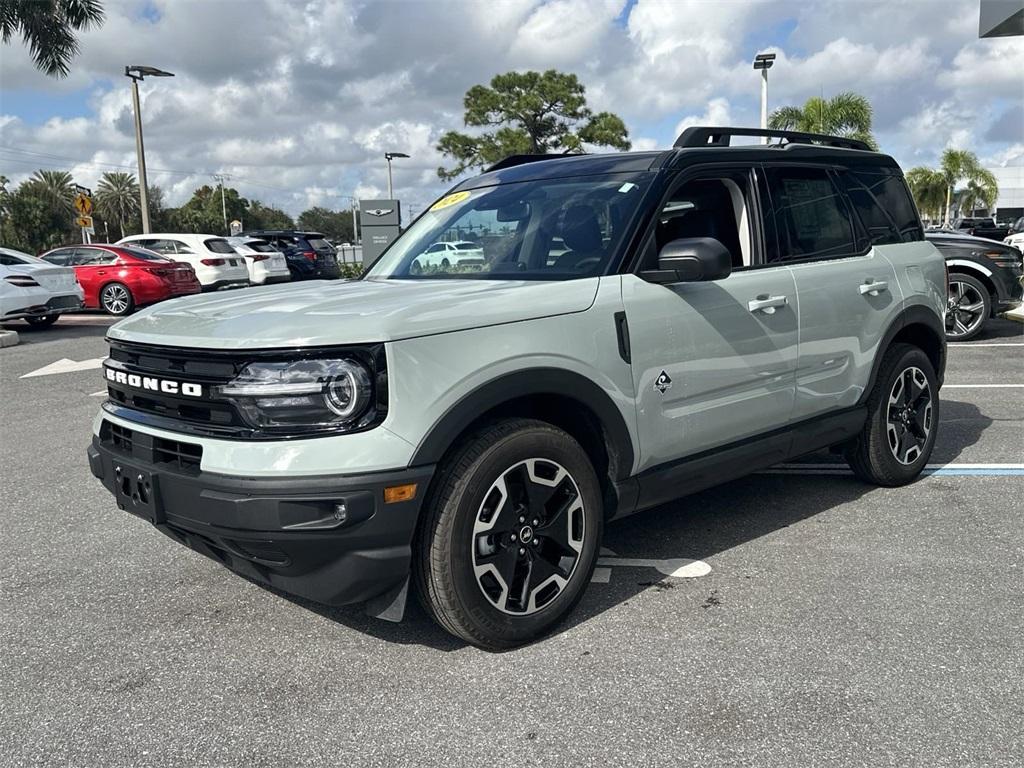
x=847 y=291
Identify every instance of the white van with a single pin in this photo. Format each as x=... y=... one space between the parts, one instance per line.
x=215 y=262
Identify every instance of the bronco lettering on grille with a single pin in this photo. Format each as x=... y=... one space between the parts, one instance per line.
x=166 y=386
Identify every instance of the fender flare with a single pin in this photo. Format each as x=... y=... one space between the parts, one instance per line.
x=914 y=315
x=532 y=381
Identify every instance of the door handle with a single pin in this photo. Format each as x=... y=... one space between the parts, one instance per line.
x=873 y=288
x=767 y=304
x=102 y=272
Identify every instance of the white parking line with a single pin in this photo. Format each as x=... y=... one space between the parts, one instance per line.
x=983 y=386
x=64 y=365
x=984 y=344
x=951 y=468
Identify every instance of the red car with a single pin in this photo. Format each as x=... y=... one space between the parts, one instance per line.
x=118 y=278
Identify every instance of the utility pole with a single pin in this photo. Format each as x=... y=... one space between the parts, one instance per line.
x=137 y=73
x=764 y=62
x=220 y=177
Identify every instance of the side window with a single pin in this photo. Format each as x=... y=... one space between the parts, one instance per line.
x=164 y=247
x=180 y=247
x=62 y=257
x=709 y=207
x=93 y=257
x=892 y=193
x=811 y=219
x=878 y=224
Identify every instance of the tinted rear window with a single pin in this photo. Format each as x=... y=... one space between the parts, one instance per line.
x=467 y=247
x=142 y=253
x=883 y=204
x=219 y=245
x=320 y=245
x=260 y=247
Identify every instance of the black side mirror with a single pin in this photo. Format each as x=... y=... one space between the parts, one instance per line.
x=689 y=260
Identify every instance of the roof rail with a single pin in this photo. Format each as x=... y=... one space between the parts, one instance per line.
x=514 y=160
x=704 y=136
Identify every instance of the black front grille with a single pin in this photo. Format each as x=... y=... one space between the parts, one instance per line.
x=182 y=456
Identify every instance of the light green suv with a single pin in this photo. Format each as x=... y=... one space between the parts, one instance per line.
x=639 y=327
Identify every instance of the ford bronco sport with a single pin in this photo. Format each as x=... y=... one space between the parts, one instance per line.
x=642 y=326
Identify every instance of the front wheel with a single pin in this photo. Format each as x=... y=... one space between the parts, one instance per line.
x=903 y=420
x=510 y=537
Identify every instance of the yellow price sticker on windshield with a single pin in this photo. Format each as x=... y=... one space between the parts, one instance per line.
x=450 y=200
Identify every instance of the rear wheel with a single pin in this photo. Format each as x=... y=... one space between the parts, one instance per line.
x=970 y=305
x=42 y=321
x=903 y=417
x=510 y=537
x=116 y=299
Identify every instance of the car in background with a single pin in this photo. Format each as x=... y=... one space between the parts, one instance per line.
x=212 y=258
x=265 y=263
x=309 y=255
x=1016 y=234
x=984 y=226
x=1017 y=227
x=460 y=253
x=35 y=291
x=984 y=280
x=119 y=278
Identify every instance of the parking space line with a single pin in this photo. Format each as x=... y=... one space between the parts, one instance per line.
x=952 y=468
x=983 y=386
x=968 y=344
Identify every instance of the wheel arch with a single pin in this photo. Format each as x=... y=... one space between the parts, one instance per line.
x=978 y=272
x=917 y=325
x=563 y=398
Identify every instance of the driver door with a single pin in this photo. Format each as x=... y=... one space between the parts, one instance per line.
x=713 y=362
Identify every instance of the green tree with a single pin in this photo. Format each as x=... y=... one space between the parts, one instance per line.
x=117 y=199
x=960 y=165
x=31 y=222
x=336 y=225
x=55 y=190
x=928 y=186
x=530 y=113
x=845 y=114
x=48 y=28
x=260 y=216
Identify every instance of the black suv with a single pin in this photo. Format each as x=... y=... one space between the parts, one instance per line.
x=984 y=280
x=309 y=255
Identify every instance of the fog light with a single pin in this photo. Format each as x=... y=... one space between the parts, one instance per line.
x=340 y=512
x=396 y=493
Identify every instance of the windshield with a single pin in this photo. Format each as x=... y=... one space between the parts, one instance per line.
x=552 y=229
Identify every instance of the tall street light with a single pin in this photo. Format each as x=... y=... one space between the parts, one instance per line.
x=137 y=73
x=764 y=62
x=389 y=156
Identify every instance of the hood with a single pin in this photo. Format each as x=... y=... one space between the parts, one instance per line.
x=323 y=313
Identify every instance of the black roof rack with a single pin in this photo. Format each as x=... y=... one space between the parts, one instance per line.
x=513 y=160
x=704 y=136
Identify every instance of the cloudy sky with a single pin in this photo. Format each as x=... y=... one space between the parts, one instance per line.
x=298 y=101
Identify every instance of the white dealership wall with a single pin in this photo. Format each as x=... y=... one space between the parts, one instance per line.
x=1011 y=189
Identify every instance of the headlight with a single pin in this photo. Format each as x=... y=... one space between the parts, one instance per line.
x=315 y=395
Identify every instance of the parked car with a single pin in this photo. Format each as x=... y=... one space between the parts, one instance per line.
x=35 y=291
x=709 y=311
x=981 y=227
x=265 y=263
x=460 y=253
x=119 y=278
x=984 y=280
x=212 y=258
x=309 y=255
x=1017 y=227
x=1016 y=234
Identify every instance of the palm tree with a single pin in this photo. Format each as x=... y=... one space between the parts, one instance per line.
x=117 y=198
x=55 y=187
x=48 y=29
x=928 y=186
x=982 y=191
x=961 y=165
x=845 y=114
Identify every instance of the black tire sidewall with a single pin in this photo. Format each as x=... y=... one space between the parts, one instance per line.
x=546 y=444
x=42 y=322
x=960 y=277
x=131 y=300
x=911 y=357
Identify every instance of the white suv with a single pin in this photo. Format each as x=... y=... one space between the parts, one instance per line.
x=266 y=264
x=214 y=260
x=460 y=253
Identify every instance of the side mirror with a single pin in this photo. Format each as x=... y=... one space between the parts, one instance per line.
x=690 y=260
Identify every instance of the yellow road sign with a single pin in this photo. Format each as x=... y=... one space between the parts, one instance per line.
x=85 y=222
x=83 y=204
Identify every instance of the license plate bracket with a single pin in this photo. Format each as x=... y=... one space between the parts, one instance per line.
x=137 y=491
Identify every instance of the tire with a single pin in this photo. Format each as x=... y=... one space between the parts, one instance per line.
x=900 y=411
x=43 y=321
x=471 y=542
x=445 y=264
x=116 y=299
x=970 y=307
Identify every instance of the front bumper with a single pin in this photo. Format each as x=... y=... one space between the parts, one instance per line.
x=279 y=531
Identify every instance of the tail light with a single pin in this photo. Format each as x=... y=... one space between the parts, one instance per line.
x=311 y=255
x=22 y=281
x=212 y=262
x=259 y=257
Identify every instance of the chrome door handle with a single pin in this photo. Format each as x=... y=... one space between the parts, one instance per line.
x=873 y=288
x=767 y=304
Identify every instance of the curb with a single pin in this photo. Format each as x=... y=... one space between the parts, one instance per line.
x=8 y=338
x=1015 y=314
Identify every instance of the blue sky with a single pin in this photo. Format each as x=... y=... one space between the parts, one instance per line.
x=298 y=101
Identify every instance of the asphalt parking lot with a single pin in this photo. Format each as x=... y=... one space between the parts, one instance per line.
x=835 y=623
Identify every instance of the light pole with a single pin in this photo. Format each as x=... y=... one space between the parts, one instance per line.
x=137 y=73
x=764 y=62
x=389 y=156
x=354 y=205
x=220 y=177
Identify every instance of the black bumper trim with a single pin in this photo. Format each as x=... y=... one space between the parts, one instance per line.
x=267 y=528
